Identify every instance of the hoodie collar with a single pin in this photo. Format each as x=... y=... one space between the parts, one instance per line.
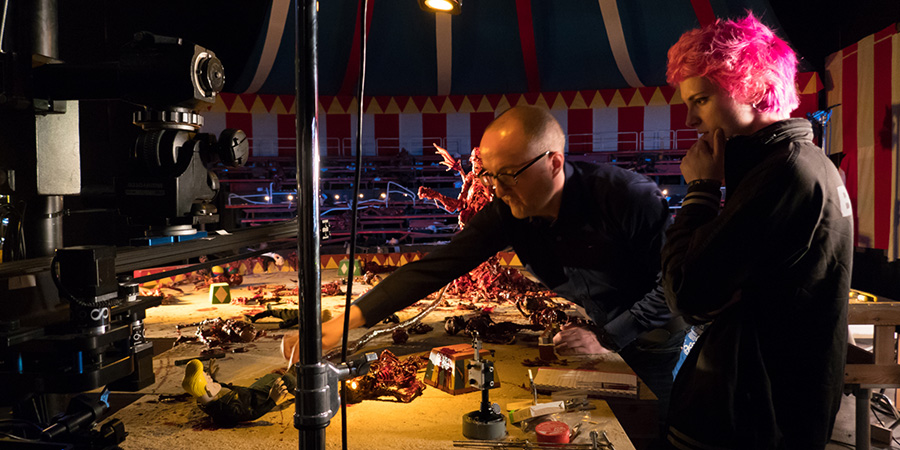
x=743 y=153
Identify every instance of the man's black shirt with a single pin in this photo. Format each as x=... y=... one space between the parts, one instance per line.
x=602 y=252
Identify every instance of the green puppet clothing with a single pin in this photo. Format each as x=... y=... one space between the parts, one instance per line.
x=289 y=316
x=244 y=404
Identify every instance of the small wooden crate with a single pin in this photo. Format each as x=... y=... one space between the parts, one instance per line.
x=448 y=369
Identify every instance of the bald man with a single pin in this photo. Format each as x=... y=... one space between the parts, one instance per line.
x=591 y=233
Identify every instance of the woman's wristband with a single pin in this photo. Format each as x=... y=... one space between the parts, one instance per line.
x=705 y=182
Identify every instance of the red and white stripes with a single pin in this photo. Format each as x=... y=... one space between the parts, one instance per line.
x=865 y=127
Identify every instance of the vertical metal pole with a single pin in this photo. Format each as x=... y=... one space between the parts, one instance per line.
x=308 y=420
x=863 y=436
x=43 y=219
x=44 y=31
x=44 y=224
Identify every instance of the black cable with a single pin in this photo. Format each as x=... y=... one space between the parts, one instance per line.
x=351 y=257
x=877 y=410
x=18 y=438
x=883 y=404
x=875 y=413
x=4 y=422
x=64 y=292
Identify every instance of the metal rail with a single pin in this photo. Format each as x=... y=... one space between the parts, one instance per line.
x=134 y=258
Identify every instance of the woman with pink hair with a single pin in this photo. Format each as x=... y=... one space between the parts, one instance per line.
x=770 y=271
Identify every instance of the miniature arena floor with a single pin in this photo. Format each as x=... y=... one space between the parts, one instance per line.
x=160 y=417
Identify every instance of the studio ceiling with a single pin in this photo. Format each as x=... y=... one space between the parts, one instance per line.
x=492 y=47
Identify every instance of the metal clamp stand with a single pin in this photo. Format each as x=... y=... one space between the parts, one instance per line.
x=487 y=422
x=317 y=389
x=821 y=118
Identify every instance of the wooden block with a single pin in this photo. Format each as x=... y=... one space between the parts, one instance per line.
x=880 y=435
x=448 y=369
x=219 y=293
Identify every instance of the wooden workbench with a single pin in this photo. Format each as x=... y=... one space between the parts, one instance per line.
x=885 y=372
x=432 y=421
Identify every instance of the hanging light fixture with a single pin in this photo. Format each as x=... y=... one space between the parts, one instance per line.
x=447 y=6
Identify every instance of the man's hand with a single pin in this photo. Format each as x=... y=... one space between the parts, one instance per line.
x=332 y=332
x=290 y=350
x=706 y=158
x=278 y=391
x=575 y=340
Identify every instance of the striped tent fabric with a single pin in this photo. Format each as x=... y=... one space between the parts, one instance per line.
x=864 y=79
x=649 y=118
x=493 y=47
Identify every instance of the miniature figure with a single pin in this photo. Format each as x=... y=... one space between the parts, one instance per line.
x=241 y=404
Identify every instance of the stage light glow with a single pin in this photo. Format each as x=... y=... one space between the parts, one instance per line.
x=447 y=6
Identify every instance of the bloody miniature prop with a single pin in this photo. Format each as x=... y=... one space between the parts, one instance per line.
x=375 y=268
x=262 y=295
x=401 y=335
x=389 y=377
x=482 y=325
x=217 y=332
x=332 y=288
x=543 y=311
x=490 y=280
x=472 y=197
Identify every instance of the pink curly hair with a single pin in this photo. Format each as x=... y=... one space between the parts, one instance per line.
x=743 y=57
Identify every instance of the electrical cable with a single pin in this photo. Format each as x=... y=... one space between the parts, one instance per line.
x=883 y=404
x=18 y=438
x=9 y=426
x=351 y=257
x=875 y=413
x=5 y=422
x=362 y=341
x=876 y=406
x=64 y=292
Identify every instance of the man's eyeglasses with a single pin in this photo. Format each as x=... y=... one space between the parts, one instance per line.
x=506 y=179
